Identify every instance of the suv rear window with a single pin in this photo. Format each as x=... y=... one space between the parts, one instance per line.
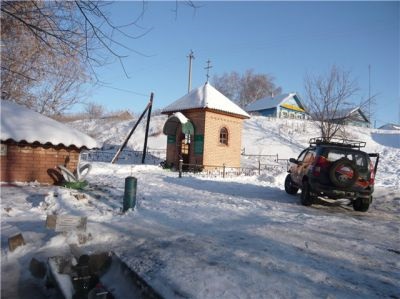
x=360 y=159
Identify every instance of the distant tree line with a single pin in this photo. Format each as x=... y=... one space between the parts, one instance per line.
x=245 y=88
x=326 y=96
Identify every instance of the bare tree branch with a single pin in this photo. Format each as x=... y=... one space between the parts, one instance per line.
x=327 y=98
x=51 y=48
x=246 y=88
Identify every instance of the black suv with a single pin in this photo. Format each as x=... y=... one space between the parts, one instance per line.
x=333 y=168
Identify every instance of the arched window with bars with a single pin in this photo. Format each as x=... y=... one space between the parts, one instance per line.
x=223 y=136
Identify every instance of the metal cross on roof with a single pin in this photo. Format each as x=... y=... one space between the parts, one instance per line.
x=208 y=67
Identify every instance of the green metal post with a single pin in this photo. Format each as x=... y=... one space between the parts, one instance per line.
x=130 y=193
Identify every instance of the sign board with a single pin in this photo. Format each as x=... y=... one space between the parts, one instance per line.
x=15 y=241
x=3 y=150
x=198 y=144
x=66 y=223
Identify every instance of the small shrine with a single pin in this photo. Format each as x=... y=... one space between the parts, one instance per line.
x=204 y=128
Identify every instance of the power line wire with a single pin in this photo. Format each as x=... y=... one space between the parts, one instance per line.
x=123 y=90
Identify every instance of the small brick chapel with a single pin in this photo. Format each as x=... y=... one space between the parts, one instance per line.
x=33 y=145
x=204 y=128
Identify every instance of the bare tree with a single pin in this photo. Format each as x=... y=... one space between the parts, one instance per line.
x=229 y=85
x=51 y=48
x=94 y=110
x=81 y=28
x=42 y=65
x=328 y=97
x=62 y=88
x=246 y=88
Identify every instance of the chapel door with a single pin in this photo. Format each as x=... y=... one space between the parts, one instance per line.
x=184 y=152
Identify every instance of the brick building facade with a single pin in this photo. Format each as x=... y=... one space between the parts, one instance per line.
x=23 y=162
x=217 y=129
x=32 y=146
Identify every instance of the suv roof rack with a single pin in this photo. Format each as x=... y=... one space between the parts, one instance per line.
x=337 y=142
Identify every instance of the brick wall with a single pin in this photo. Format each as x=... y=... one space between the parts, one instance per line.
x=216 y=153
x=28 y=163
x=209 y=124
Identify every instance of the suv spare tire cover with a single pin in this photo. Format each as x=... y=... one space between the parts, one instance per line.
x=340 y=179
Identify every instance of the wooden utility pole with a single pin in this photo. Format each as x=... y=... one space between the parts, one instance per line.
x=369 y=93
x=147 y=128
x=133 y=130
x=191 y=57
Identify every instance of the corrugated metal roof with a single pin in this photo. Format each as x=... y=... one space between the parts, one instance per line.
x=206 y=96
x=268 y=102
x=19 y=123
x=348 y=112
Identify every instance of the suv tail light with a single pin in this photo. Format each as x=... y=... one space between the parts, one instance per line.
x=372 y=171
x=320 y=163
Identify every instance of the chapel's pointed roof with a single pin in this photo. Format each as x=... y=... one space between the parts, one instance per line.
x=206 y=96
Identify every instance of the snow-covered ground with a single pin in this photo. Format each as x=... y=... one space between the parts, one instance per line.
x=209 y=237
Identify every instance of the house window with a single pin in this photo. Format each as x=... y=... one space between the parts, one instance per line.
x=284 y=114
x=223 y=136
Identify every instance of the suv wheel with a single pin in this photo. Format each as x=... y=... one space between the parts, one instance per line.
x=306 y=199
x=290 y=188
x=343 y=173
x=362 y=204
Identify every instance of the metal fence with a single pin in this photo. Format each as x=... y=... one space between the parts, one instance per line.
x=227 y=171
x=263 y=158
x=260 y=163
x=153 y=156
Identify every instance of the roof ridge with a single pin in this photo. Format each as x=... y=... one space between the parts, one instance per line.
x=206 y=96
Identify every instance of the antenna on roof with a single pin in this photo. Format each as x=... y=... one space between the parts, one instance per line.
x=208 y=67
x=191 y=57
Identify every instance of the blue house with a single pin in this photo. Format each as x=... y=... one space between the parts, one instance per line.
x=286 y=105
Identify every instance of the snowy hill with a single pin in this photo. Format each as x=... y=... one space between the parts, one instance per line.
x=112 y=132
x=261 y=136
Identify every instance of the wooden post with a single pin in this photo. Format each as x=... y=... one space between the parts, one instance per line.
x=259 y=167
x=147 y=128
x=223 y=170
x=129 y=135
